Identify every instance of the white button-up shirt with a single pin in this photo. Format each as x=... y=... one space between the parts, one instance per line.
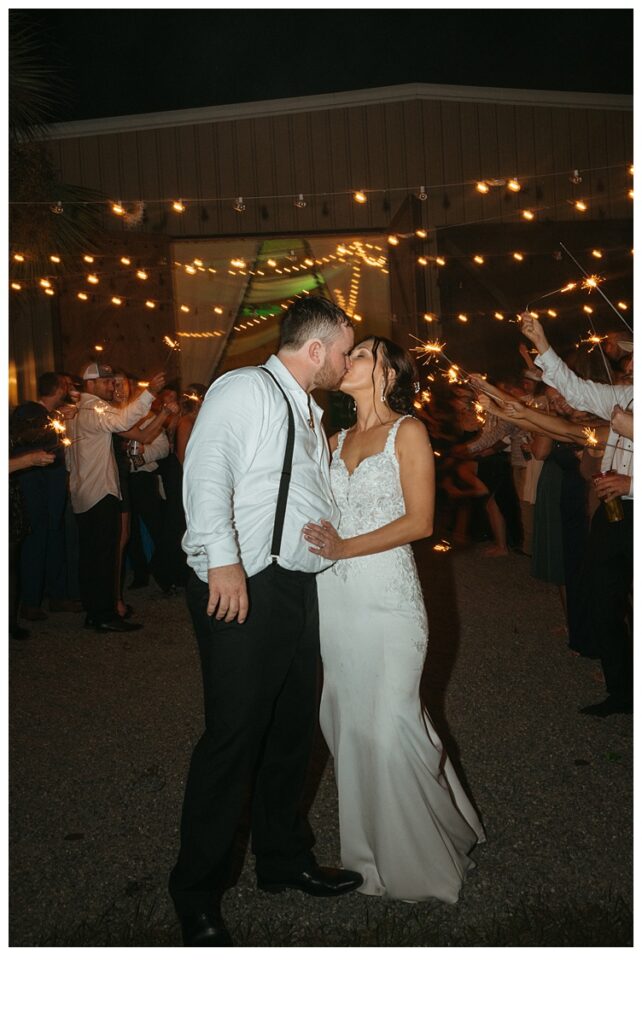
x=232 y=472
x=90 y=458
x=599 y=399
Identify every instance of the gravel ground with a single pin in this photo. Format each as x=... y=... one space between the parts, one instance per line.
x=102 y=729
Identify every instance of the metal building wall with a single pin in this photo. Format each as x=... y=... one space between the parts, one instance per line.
x=397 y=146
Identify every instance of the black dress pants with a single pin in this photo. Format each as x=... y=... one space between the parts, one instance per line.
x=609 y=568
x=259 y=682
x=98 y=531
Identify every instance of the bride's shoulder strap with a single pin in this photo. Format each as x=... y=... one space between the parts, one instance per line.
x=392 y=433
x=340 y=439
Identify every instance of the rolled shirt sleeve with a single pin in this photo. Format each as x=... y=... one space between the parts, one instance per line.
x=219 y=452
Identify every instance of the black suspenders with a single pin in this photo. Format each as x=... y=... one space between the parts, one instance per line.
x=286 y=473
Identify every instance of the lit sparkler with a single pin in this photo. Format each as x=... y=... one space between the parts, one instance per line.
x=173 y=347
x=591 y=437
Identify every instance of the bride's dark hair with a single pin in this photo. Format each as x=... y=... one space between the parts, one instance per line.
x=400 y=389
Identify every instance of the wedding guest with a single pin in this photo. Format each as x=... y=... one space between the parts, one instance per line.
x=19 y=529
x=146 y=494
x=44 y=489
x=95 y=490
x=610 y=548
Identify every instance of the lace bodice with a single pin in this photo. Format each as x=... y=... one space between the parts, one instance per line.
x=371 y=495
x=368 y=498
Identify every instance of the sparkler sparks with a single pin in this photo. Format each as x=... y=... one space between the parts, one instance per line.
x=592 y=282
x=591 y=437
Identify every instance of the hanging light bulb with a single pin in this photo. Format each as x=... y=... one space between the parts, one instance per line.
x=88 y=259
x=513 y=185
x=429 y=318
x=92 y=279
x=360 y=197
x=420 y=233
x=630 y=193
x=189 y=269
x=49 y=291
x=197 y=262
x=622 y=305
x=83 y=296
x=528 y=215
x=57 y=207
x=16 y=287
x=355 y=316
x=581 y=206
x=18 y=257
x=422 y=261
x=184 y=309
x=44 y=283
x=482 y=187
x=98 y=348
x=478 y=259
x=422 y=194
x=239 y=205
x=499 y=316
x=218 y=309
x=150 y=304
x=300 y=203
x=597 y=253
x=271 y=263
x=393 y=240
x=142 y=275
x=587 y=309
x=116 y=301
x=631 y=169
x=463 y=318
x=55 y=259
x=441 y=261
x=178 y=206
x=551 y=313
x=118 y=209
x=575 y=178
x=518 y=256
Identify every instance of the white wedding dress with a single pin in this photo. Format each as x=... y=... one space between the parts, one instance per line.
x=405 y=822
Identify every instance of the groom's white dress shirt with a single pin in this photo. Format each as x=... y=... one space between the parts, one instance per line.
x=233 y=468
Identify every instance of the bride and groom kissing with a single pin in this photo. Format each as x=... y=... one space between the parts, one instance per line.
x=298 y=546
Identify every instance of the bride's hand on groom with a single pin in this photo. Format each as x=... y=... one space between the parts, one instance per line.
x=228 y=593
x=324 y=540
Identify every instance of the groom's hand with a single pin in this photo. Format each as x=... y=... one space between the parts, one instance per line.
x=228 y=593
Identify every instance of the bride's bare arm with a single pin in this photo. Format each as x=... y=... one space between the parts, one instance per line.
x=417 y=475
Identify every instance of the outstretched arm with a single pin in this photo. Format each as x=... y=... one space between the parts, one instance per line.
x=417 y=476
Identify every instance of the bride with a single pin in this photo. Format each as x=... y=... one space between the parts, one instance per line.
x=405 y=822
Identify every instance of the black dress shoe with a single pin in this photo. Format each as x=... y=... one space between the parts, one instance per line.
x=115 y=625
x=317 y=881
x=205 y=929
x=607 y=707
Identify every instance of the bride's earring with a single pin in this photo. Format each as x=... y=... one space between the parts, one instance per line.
x=383 y=391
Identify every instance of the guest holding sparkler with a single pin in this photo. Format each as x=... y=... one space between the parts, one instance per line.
x=95 y=490
x=143 y=446
x=610 y=548
x=36 y=426
x=561 y=509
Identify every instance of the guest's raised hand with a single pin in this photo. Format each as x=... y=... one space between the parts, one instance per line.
x=68 y=411
x=532 y=329
x=157 y=383
x=622 y=422
x=41 y=458
x=324 y=539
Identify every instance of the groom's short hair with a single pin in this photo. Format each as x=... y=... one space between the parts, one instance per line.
x=312 y=317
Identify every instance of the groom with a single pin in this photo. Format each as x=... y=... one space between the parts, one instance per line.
x=253 y=601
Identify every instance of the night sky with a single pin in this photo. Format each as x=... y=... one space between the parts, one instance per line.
x=117 y=62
